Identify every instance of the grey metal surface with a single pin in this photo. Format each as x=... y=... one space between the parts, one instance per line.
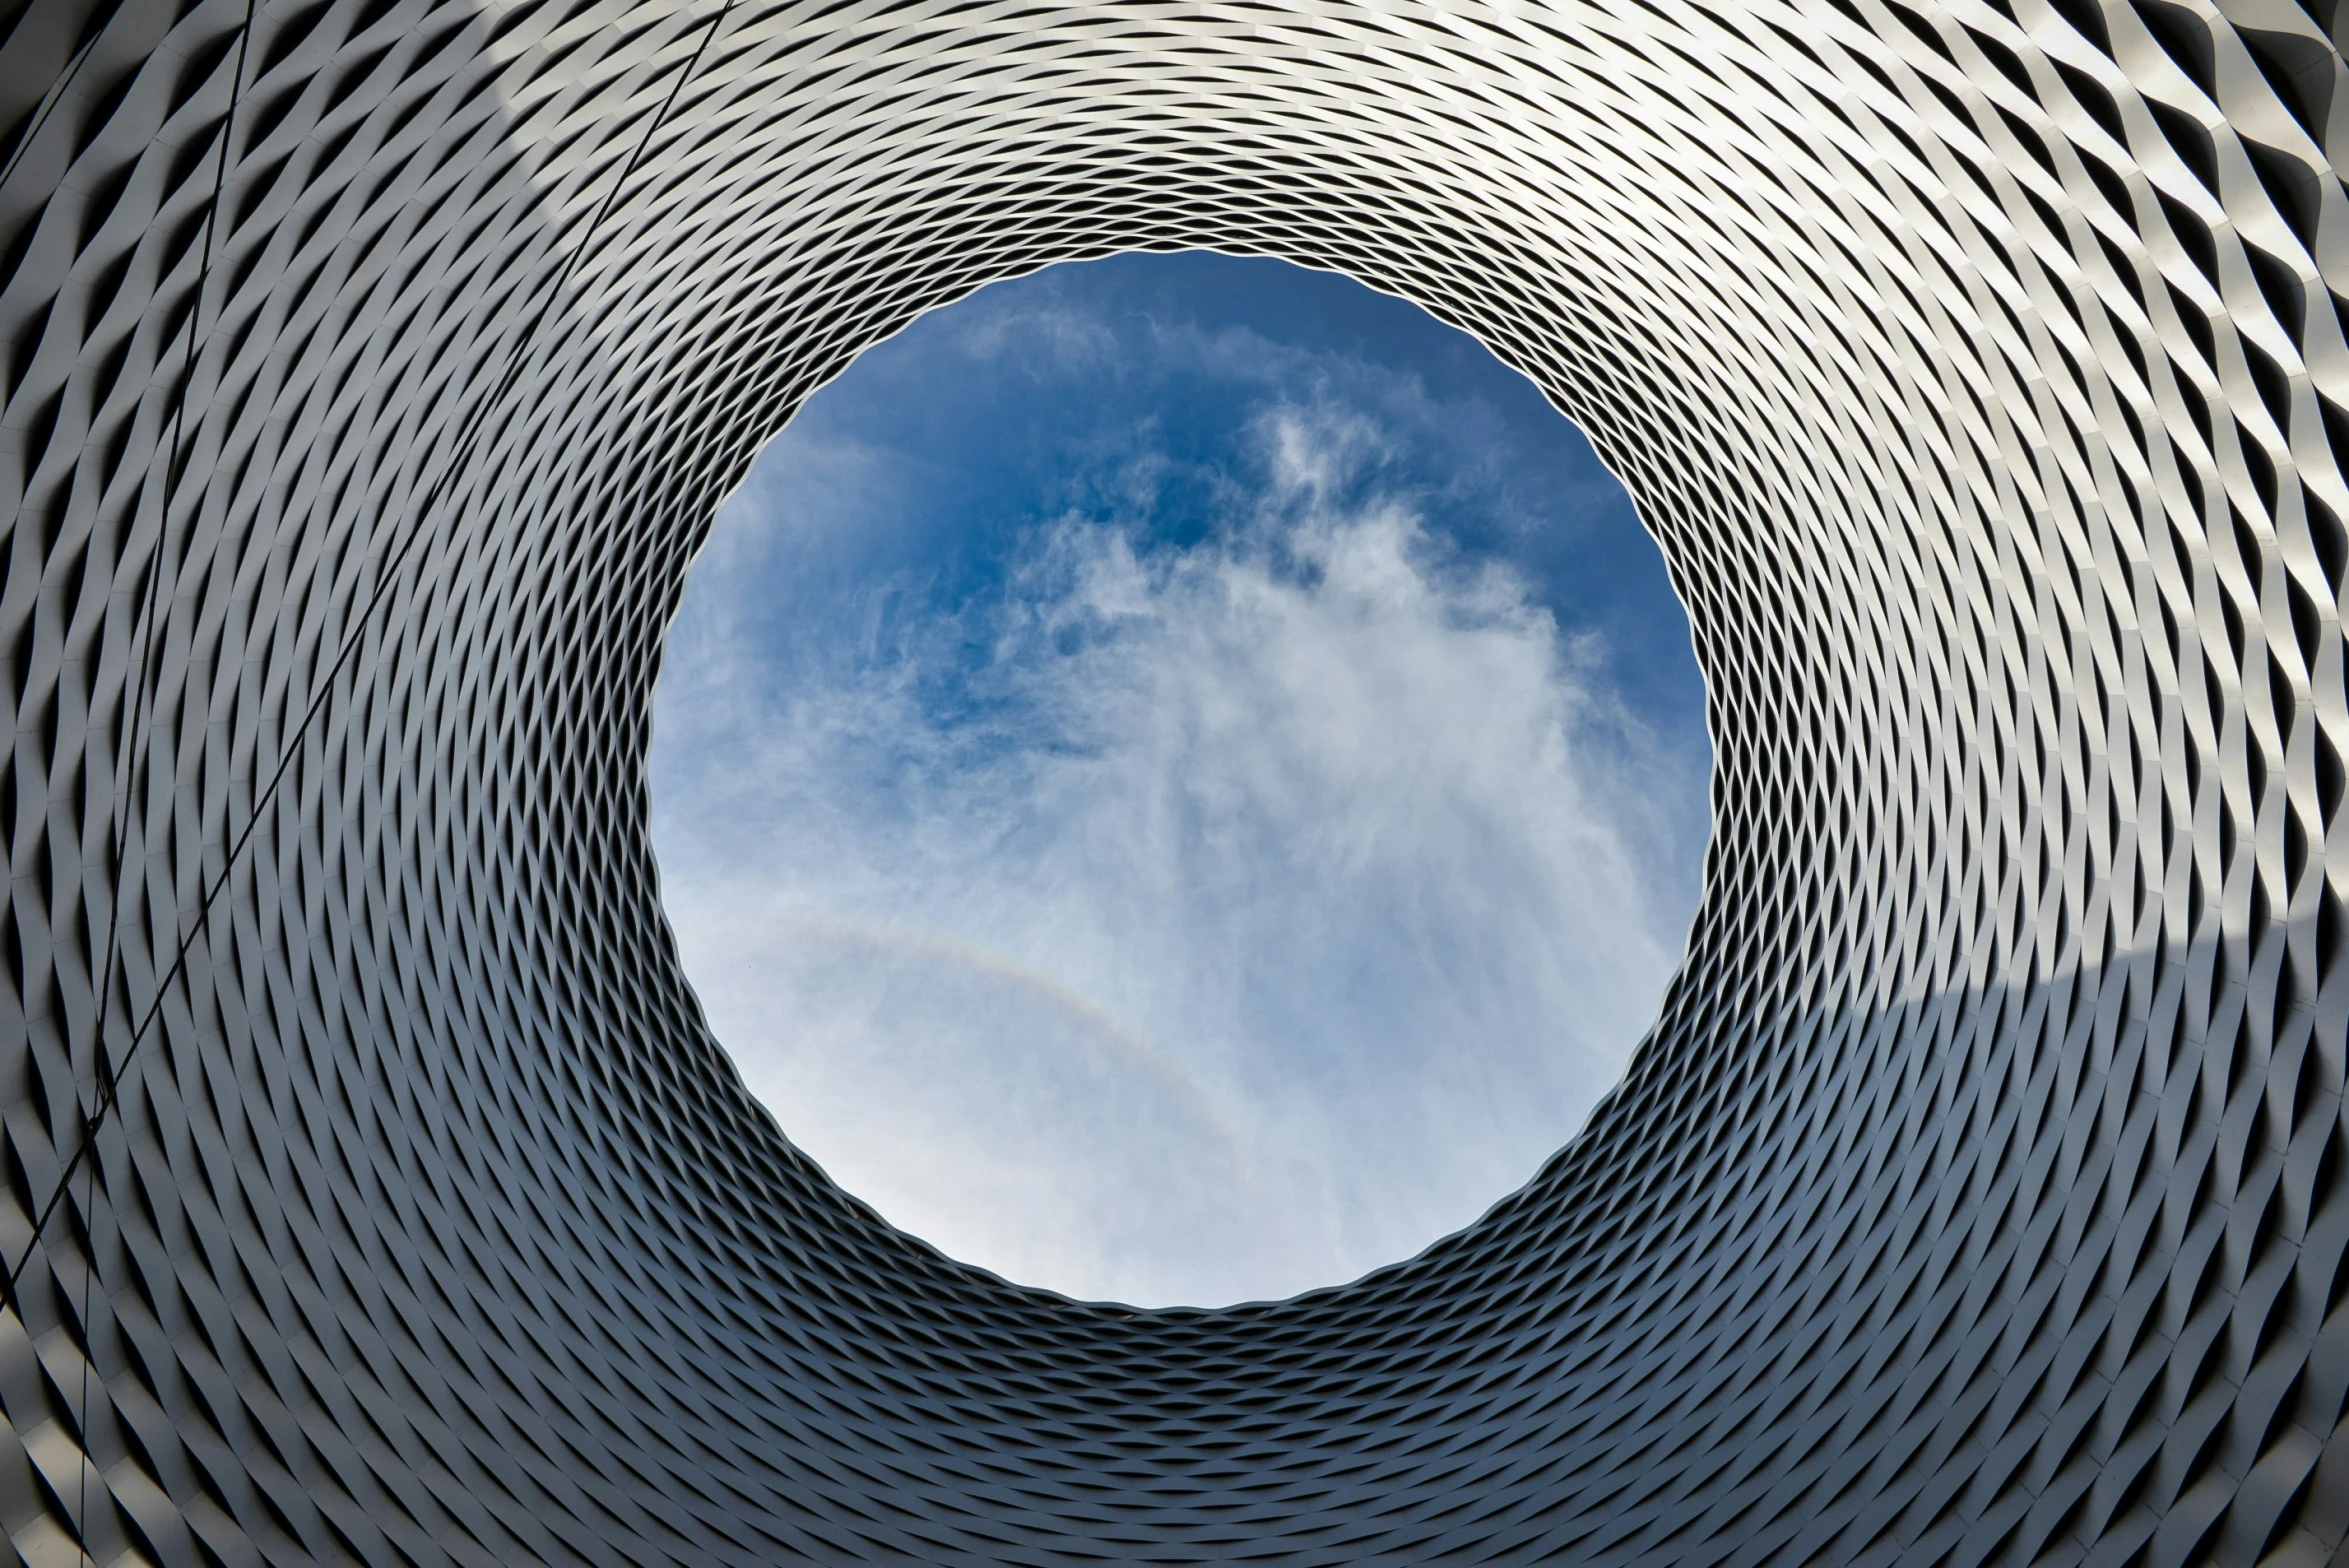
x=1981 y=1194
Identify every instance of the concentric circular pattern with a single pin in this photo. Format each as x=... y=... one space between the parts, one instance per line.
x=374 y=367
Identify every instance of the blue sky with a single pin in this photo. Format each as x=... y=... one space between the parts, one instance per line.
x=1179 y=779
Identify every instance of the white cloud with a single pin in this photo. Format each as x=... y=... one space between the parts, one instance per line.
x=1251 y=915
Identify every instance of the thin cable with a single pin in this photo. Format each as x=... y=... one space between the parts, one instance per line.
x=49 y=102
x=144 y=632
x=136 y=705
x=147 y=628
x=392 y=569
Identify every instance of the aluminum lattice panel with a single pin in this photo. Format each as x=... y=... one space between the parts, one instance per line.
x=373 y=369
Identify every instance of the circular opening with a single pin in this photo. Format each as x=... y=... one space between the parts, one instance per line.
x=1179 y=779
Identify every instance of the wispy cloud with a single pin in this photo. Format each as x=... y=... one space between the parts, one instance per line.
x=1174 y=921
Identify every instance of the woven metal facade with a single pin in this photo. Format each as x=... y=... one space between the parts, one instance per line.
x=373 y=368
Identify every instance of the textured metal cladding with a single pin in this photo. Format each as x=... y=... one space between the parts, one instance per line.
x=373 y=369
